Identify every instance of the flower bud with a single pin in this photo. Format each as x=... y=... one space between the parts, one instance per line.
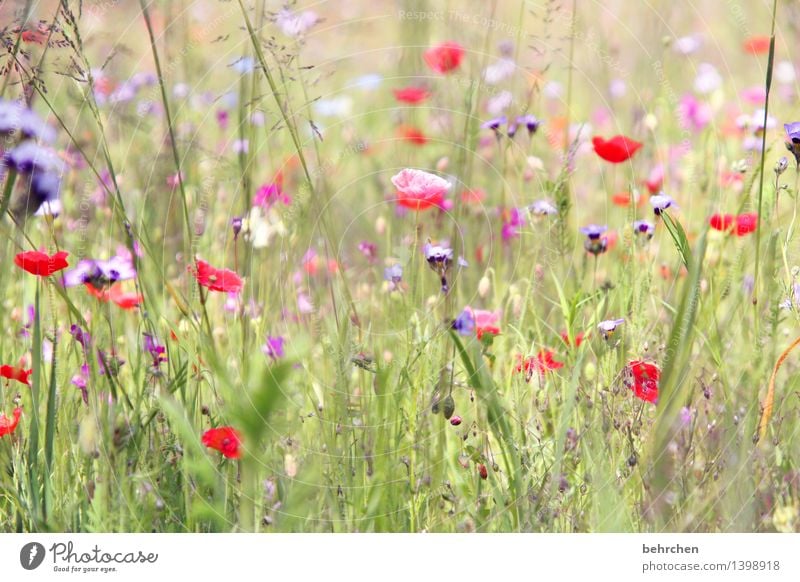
x=483 y=287
x=455 y=421
x=483 y=472
x=781 y=165
x=448 y=406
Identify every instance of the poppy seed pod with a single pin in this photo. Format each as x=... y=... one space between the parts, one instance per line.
x=448 y=406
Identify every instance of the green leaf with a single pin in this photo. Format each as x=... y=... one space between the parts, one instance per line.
x=678 y=237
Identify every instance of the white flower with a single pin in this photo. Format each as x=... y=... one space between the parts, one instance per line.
x=296 y=23
x=261 y=227
x=499 y=71
x=707 y=80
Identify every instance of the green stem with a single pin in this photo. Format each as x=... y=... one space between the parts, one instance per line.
x=768 y=85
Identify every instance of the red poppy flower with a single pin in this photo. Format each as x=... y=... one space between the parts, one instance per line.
x=740 y=225
x=411 y=95
x=756 y=45
x=224 y=439
x=36 y=36
x=7 y=425
x=41 y=264
x=14 y=373
x=116 y=295
x=616 y=150
x=488 y=329
x=445 y=57
x=723 y=222
x=543 y=362
x=214 y=279
x=645 y=378
x=746 y=223
x=412 y=135
x=624 y=199
x=578 y=339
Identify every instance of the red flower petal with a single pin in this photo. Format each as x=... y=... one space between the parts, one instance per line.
x=722 y=222
x=412 y=135
x=578 y=338
x=411 y=95
x=7 y=425
x=223 y=280
x=224 y=439
x=487 y=329
x=14 y=373
x=756 y=45
x=543 y=362
x=645 y=380
x=445 y=57
x=746 y=223
x=617 y=149
x=41 y=264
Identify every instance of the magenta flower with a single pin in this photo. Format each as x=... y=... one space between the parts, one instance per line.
x=274 y=347
x=269 y=194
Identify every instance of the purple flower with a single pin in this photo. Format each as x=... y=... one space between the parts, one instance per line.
x=369 y=250
x=440 y=260
x=542 y=208
x=81 y=336
x=464 y=324
x=594 y=231
x=42 y=167
x=644 y=228
x=29 y=155
x=156 y=350
x=660 y=203
x=594 y=244
x=236 y=224
x=793 y=131
x=274 y=347
x=100 y=273
x=793 y=145
x=530 y=122
x=394 y=275
x=81 y=380
x=14 y=116
x=494 y=124
x=608 y=327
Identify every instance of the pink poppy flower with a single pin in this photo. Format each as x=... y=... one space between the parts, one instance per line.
x=418 y=190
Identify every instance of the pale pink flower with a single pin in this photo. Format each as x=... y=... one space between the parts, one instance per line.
x=418 y=190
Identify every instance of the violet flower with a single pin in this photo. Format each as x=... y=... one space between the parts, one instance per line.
x=440 y=259
x=274 y=347
x=608 y=327
x=99 y=273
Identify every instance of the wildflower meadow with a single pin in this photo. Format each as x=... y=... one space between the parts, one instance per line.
x=399 y=266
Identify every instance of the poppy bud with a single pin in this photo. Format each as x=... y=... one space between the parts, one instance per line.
x=781 y=165
x=483 y=472
x=455 y=421
x=483 y=287
x=448 y=406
